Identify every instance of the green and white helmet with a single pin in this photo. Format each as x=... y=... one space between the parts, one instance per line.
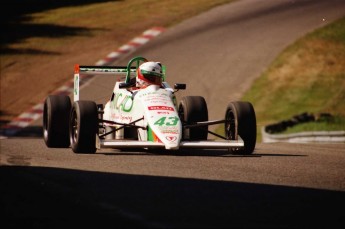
x=149 y=73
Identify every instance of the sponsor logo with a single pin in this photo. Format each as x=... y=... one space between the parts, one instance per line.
x=121 y=118
x=171 y=138
x=164 y=108
x=123 y=102
x=163 y=112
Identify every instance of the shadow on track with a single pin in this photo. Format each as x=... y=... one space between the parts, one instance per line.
x=183 y=153
x=17 y=23
x=50 y=197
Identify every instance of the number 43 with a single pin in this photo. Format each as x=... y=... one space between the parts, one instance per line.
x=172 y=121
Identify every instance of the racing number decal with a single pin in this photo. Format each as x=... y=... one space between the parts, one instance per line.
x=172 y=121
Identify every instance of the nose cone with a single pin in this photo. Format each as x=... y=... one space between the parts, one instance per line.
x=172 y=142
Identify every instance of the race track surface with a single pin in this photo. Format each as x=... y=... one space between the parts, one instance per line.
x=218 y=54
x=280 y=185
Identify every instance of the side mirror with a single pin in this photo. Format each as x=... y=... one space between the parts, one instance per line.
x=180 y=86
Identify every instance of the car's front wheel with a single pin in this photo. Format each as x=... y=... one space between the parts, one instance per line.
x=83 y=127
x=241 y=120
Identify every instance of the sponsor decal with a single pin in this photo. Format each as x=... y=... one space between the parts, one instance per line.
x=170 y=131
x=121 y=118
x=123 y=102
x=171 y=138
x=163 y=112
x=76 y=80
x=150 y=95
x=165 y=108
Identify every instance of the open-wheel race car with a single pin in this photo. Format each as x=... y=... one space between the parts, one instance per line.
x=145 y=118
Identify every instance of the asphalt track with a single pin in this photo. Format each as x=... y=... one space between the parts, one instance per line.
x=218 y=54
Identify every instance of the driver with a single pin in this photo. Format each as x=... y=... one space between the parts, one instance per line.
x=149 y=73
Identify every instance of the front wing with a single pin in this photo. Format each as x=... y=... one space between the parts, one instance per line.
x=208 y=144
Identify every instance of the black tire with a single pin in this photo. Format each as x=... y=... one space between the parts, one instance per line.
x=56 y=113
x=241 y=121
x=131 y=133
x=194 y=109
x=83 y=127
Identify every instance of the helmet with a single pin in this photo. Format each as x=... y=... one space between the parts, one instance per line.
x=149 y=73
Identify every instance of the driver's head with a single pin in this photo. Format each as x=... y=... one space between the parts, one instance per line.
x=149 y=73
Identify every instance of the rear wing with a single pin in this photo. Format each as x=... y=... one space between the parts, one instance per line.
x=126 y=71
x=103 y=70
x=98 y=70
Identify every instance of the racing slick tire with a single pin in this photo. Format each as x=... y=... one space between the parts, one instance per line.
x=56 y=113
x=193 y=109
x=241 y=120
x=83 y=127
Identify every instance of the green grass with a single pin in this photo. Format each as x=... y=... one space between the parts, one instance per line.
x=308 y=76
x=326 y=124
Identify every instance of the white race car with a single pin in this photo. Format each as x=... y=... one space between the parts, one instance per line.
x=143 y=118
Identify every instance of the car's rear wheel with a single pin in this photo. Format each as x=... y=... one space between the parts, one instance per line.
x=241 y=120
x=56 y=113
x=83 y=127
x=193 y=109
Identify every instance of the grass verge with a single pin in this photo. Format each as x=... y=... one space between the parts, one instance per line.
x=325 y=124
x=308 y=76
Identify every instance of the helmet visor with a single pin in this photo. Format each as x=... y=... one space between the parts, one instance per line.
x=152 y=77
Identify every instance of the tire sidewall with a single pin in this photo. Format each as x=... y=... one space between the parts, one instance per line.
x=56 y=121
x=245 y=124
x=194 y=110
x=86 y=116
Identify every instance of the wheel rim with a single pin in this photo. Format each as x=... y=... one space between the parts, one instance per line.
x=230 y=126
x=74 y=127
x=45 y=122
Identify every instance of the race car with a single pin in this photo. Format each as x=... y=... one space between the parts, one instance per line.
x=147 y=118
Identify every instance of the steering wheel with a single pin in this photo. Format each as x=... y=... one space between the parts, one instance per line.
x=129 y=65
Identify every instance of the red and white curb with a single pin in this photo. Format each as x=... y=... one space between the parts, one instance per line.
x=131 y=46
x=36 y=112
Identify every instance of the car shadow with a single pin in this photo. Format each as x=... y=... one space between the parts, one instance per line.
x=53 y=197
x=189 y=153
x=163 y=152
